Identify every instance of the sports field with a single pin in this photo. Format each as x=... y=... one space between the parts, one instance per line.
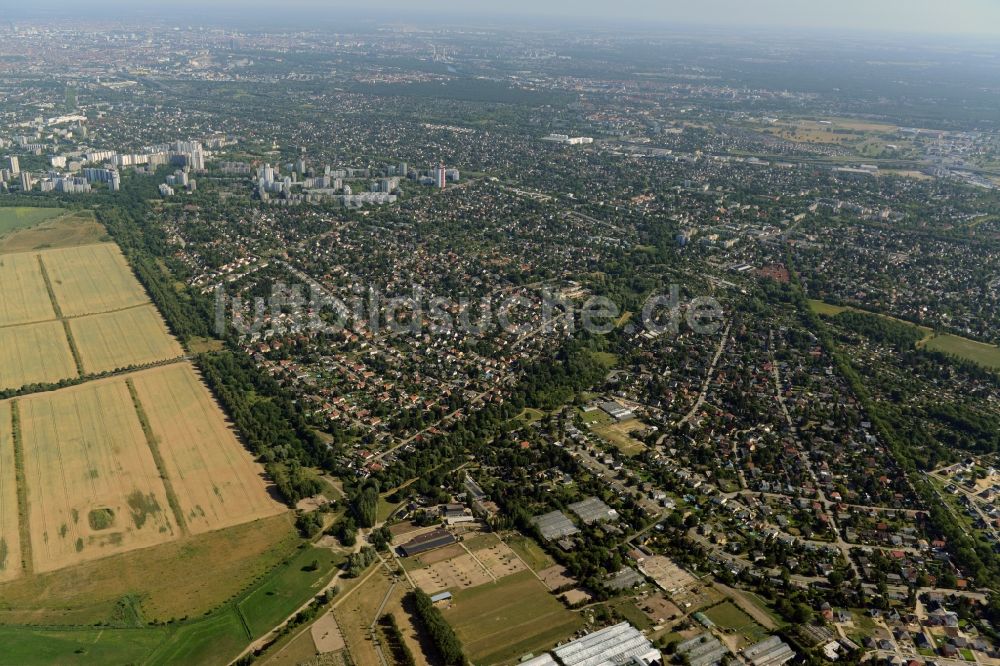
x=217 y=482
x=132 y=337
x=34 y=354
x=92 y=279
x=92 y=485
x=10 y=541
x=23 y=297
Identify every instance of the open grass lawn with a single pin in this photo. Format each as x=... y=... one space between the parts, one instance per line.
x=627 y=609
x=618 y=435
x=985 y=355
x=729 y=616
x=529 y=551
x=530 y=415
x=288 y=587
x=70 y=229
x=215 y=638
x=501 y=621
x=607 y=359
x=26 y=645
x=595 y=417
x=385 y=509
x=23 y=217
x=823 y=308
x=187 y=580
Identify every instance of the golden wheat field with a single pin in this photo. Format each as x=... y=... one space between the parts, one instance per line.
x=93 y=487
x=35 y=354
x=23 y=297
x=91 y=279
x=136 y=336
x=217 y=482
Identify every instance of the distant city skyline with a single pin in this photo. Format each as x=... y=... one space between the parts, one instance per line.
x=956 y=17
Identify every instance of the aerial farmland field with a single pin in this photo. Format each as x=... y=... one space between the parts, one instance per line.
x=10 y=541
x=23 y=298
x=217 y=482
x=21 y=217
x=91 y=279
x=34 y=354
x=93 y=487
x=136 y=336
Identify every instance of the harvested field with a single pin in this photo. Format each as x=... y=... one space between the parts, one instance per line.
x=35 y=354
x=92 y=485
x=23 y=297
x=10 y=538
x=132 y=337
x=216 y=481
x=91 y=279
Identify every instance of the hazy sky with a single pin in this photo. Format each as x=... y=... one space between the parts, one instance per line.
x=930 y=16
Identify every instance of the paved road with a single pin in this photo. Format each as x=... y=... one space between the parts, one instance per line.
x=708 y=378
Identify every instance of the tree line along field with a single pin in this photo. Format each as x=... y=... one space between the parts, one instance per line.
x=217 y=482
x=10 y=541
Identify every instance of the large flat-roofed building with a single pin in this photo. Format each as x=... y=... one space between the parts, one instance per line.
x=770 y=652
x=616 y=411
x=613 y=646
x=541 y=660
x=555 y=525
x=425 y=542
x=703 y=650
x=593 y=510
